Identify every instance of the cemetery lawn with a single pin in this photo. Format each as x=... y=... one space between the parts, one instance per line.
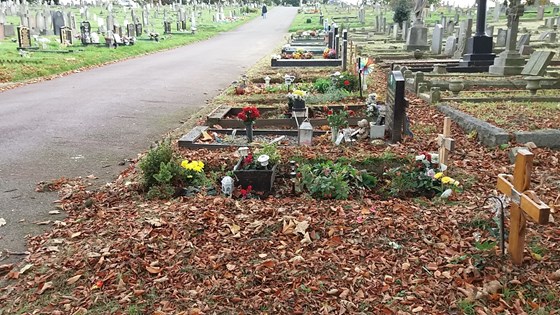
x=119 y=253
x=57 y=60
x=514 y=116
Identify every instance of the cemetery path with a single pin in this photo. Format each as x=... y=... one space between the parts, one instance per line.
x=88 y=122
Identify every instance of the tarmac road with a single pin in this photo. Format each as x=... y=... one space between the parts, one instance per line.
x=86 y=123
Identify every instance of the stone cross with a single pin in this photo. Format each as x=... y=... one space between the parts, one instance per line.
x=445 y=142
x=523 y=202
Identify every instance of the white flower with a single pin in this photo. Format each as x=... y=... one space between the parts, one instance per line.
x=276 y=57
x=446 y=193
x=420 y=157
x=431 y=173
x=442 y=167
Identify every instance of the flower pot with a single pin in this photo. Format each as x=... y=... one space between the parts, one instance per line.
x=533 y=84
x=376 y=131
x=456 y=86
x=260 y=180
x=298 y=105
x=334 y=133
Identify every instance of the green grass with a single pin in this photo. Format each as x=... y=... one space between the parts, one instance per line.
x=40 y=64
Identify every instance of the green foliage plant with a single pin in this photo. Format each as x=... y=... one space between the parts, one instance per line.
x=346 y=81
x=322 y=85
x=152 y=162
x=334 y=180
x=271 y=150
x=402 y=9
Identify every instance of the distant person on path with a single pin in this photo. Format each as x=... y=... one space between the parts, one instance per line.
x=264 y=10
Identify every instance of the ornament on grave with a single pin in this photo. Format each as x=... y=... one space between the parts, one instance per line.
x=363 y=129
x=524 y=202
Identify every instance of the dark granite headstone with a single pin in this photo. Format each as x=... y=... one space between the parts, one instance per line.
x=395 y=105
x=138 y=29
x=58 y=22
x=167 y=27
x=130 y=30
x=24 y=37
x=85 y=32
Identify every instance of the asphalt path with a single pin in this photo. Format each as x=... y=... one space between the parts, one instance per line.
x=86 y=123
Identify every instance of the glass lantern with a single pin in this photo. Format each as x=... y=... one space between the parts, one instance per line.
x=227 y=185
x=305 y=133
x=243 y=151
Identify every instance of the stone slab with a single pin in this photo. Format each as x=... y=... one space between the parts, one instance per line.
x=537 y=63
x=549 y=138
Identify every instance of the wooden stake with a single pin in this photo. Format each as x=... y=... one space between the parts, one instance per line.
x=445 y=142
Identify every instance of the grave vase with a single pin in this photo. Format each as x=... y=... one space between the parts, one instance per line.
x=249 y=131
x=334 y=133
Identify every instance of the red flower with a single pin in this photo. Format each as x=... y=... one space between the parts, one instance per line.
x=248 y=159
x=346 y=82
x=330 y=112
x=245 y=192
x=351 y=113
x=249 y=114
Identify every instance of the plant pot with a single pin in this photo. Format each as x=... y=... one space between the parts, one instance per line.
x=376 y=131
x=260 y=180
x=298 y=105
x=533 y=84
x=456 y=86
x=334 y=133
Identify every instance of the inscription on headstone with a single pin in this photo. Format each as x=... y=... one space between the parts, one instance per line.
x=24 y=37
x=395 y=106
x=66 y=35
x=85 y=32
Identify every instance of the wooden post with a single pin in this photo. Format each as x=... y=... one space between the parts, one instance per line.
x=523 y=202
x=445 y=142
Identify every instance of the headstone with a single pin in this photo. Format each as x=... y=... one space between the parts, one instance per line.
x=138 y=29
x=552 y=37
x=110 y=21
x=405 y=29
x=437 y=38
x=24 y=37
x=450 y=45
x=130 y=30
x=501 y=38
x=395 y=106
x=2 y=17
x=540 y=13
x=464 y=34
x=523 y=40
x=497 y=11
x=555 y=10
x=85 y=32
x=549 y=22
x=2 y=31
x=396 y=31
x=72 y=21
x=66 y=35
x=41 y=23
x=490 y=30
x=58 y=22
x=166 y=27
x=544 y=34
x=9 y=30
x=537 y=63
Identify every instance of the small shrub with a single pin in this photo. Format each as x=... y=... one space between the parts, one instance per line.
x=322 y=85
x=271 y=150
x=152 y=162
x=330 y=180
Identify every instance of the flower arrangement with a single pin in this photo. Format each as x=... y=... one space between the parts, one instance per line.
x=346 y=81
x=193 y=168
x=329 y=53
x=297 y=95
x=249 y=114
x=430 y=166
x=338 y=119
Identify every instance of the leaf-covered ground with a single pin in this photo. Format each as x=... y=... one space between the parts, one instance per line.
x=117 y=253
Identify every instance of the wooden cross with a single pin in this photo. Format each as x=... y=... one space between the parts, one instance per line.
x=523 y=202
x=445 y=142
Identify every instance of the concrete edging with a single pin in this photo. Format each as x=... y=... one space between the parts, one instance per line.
x=491 y=135
x=488 y=134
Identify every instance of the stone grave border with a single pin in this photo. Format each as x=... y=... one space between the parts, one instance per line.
x=218 y=117
x=189 y=140
x=306 y=62
x=492 y=136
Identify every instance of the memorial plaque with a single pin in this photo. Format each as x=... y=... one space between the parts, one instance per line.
x=395 y=106
x=24 y=37
x=66 y=35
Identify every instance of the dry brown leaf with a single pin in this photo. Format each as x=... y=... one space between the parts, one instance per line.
x=45 y=287
x=73 y=279
x=153 y=270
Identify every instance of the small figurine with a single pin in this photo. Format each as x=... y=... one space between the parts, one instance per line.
x=363 y=131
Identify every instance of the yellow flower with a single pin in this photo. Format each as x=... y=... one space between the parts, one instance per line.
x=299 y=93
x=438 y=175
x=446 y=180
x=196 y=166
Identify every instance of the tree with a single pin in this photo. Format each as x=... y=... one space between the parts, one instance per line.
x=402 y=10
